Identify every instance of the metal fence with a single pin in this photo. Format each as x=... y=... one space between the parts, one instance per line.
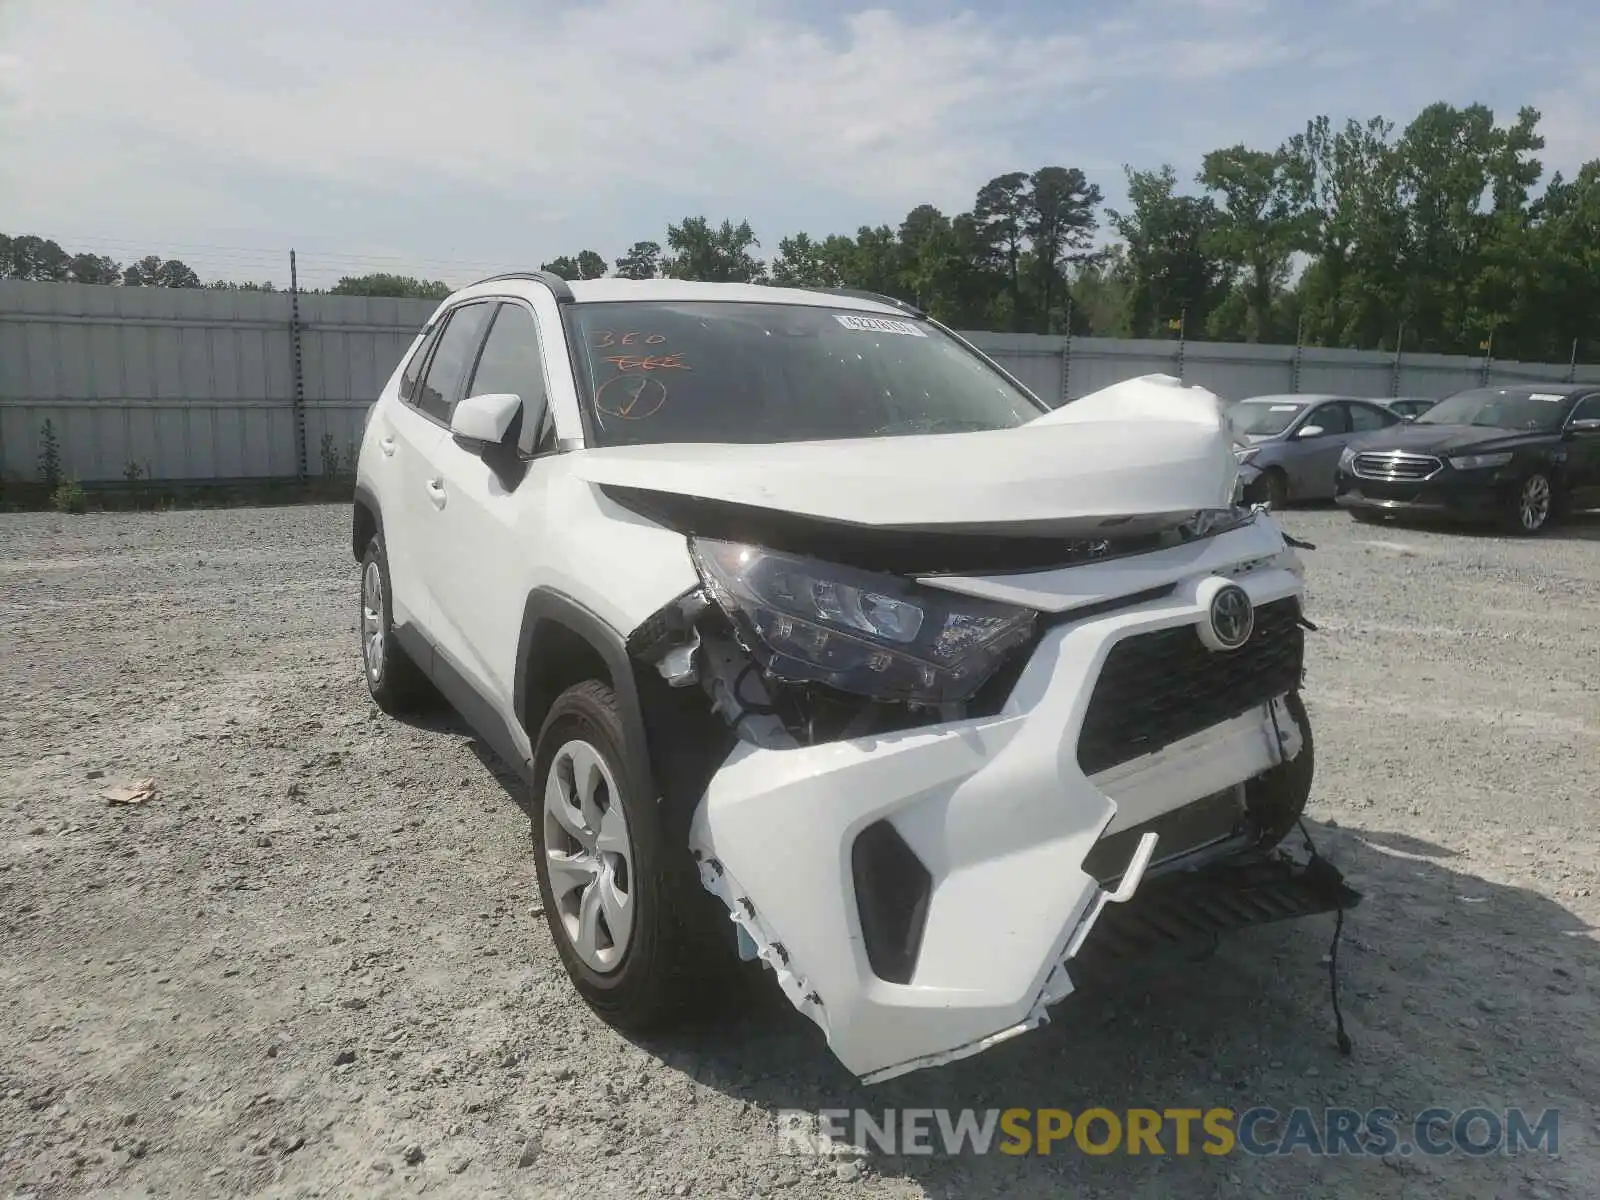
x=200 y=386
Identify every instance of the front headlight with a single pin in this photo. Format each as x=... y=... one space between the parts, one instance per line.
x=1346 y=457
x=1477 y=462
x=858 y=631
x=1243 y=454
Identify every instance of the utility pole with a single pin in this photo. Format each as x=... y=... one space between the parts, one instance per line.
x=1394 y=374
x=302 y=462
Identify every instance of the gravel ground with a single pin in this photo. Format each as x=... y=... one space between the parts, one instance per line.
x=312 y=965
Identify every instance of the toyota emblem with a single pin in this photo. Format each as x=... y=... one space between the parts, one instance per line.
x=1233 y=617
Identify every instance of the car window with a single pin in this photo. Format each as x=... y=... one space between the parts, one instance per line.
x=657 y=372
x=458 y=346
x=1331 y=417
x=1588 y=408
x=1263 y=418
x=413 y=371
x=511 y=362
x=1364 y=417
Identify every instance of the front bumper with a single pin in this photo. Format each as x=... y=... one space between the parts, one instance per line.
x=1452 y=494
x=1001 y=821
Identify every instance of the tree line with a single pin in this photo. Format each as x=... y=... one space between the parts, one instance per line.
x=1443 y=236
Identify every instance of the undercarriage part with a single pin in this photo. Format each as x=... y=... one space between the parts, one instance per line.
x=1183 y=909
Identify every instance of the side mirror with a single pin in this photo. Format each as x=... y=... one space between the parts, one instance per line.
x=1310 y=431
x=1585 y=425
x=483 y=421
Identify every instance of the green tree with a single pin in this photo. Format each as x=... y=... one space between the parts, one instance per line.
x=1266 y=218
x=1000 y=215
x=402 y=286
x=642 y=261
x=720 y=255
x=587 y=265
x=155 y=271
x=1170 y=270
x=1060 y=222
x=34 y=258
x=801 y=262
x=93 y=268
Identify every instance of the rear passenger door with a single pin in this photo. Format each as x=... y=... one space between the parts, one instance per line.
x=483 y=531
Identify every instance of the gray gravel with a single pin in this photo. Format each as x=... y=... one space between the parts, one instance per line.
x=312 y=965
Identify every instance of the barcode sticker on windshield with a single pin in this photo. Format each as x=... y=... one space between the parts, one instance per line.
x=878 y=325
x=1545 y=396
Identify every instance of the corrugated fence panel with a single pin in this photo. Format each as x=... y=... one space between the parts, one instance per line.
x=199 y=384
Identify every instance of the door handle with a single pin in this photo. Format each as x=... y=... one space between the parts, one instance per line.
x=436 y=492
x=386 y=445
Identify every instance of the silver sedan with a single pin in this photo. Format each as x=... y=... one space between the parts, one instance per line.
x=1288 y=446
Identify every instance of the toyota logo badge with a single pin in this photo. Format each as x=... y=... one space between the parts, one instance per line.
x=1233 y=617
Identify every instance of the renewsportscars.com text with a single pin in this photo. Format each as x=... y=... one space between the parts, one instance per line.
x=1259 y=1131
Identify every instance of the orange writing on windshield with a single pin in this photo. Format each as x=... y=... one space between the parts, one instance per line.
x=606 y=338
x=649 y=362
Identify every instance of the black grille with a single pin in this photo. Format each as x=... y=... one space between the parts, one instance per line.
x=1396 y=466
x=1158 y=688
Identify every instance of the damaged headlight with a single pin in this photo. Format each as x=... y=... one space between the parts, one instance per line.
x=861 y=632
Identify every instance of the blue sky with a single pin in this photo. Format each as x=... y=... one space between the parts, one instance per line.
x=452 y=139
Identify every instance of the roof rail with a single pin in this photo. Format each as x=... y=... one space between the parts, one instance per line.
x=910 y=310
x=550 y=279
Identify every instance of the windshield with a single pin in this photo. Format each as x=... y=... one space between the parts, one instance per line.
x=1499 y=408
x=1261 y=418
x=719 y=371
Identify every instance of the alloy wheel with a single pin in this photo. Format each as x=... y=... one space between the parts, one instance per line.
x=373 y=633
x=1534 y=504
x=588 y=855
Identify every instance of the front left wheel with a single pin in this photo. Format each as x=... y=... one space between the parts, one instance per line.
x=616 y=896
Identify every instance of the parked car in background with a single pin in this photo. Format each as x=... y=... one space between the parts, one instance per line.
x=1411 y=407
x=1516 y=455
x=1288 y=446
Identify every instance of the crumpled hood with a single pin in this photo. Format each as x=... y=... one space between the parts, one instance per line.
x=1143 y=448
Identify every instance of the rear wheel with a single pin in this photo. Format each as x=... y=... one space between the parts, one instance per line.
x=396 y=683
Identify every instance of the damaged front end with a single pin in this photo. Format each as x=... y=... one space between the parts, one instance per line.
x=964 y=784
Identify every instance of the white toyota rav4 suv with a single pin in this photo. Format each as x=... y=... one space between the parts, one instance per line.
x=794 y=608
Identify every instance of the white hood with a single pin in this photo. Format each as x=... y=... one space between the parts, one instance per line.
x=1145 y=447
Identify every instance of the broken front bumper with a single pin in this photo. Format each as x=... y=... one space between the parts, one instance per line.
x=918 y=894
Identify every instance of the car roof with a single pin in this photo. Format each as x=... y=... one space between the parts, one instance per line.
x=1292 y=398
x=600 y=291
x=1565 y=390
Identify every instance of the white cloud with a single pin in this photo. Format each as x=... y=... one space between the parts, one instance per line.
x=623 y=94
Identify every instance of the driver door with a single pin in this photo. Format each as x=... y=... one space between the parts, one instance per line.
x=1316 y=458
x=484 y=533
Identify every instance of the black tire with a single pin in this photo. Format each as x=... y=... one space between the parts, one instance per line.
x=1523 y=513
x=396 y=683
x=658 y=974
x=1276 y=799
x=1276 y=487
x=1366 y=516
